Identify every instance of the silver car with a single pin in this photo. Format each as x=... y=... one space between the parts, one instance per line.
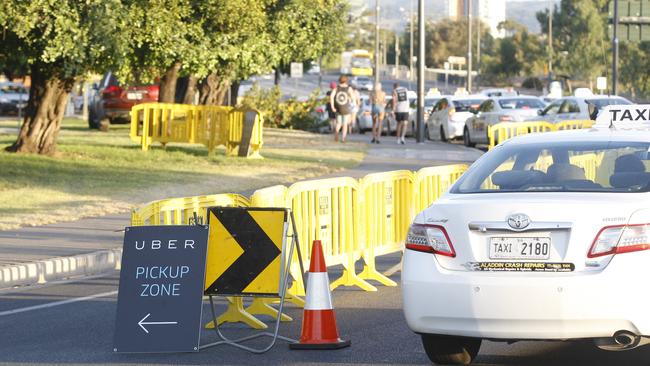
x=13 y=96
x=448 y=116
x=496 y=110
x=364 y=116
x=569 y=108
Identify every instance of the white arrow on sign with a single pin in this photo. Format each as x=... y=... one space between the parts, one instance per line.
x=142 y=323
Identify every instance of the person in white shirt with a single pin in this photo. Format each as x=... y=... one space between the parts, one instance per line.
x=401 y=109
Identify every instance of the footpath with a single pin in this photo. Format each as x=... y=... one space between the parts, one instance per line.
x=90 y=246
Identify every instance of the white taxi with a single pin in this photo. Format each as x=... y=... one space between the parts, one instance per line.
x=545 y=237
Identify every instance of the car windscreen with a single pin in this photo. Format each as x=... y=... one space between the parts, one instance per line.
x=428 y=102
x=361 y=62
x=13 y=89
x=521 y=103
x=572 y=166
x=464 y=105
x=604 y=102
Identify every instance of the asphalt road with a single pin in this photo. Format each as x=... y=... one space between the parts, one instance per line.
x=73 y=322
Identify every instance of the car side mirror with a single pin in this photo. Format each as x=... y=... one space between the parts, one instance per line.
x=540 y=112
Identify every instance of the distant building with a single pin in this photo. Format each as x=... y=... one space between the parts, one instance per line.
x=491 y=12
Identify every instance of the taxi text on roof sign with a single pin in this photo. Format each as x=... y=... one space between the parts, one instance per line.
x=624 y=116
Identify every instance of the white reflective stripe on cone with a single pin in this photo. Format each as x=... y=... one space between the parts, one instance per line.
x=318 y=292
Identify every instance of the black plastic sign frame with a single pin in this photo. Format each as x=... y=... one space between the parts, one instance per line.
x=161 y=289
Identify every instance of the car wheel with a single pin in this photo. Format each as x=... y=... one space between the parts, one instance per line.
x=466 y=139
x=443 y=137
x=426 y=132
x=449 y=350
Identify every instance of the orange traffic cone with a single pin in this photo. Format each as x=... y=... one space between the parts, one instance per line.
x=319 y=329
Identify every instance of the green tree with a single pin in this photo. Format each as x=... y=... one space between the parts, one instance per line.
x=61 y=41
x=635 y=63
x=518 y=54
x=579 y=37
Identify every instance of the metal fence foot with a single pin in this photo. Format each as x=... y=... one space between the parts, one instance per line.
x=235 y=313
x=352 y=279
x=372 y=274
x=262 y=306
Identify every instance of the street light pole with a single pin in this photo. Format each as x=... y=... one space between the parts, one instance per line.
x=421 y=66
x=615 y=51
x=550 y=41
x=469 y=46
x=376 y=42
x=411 y=73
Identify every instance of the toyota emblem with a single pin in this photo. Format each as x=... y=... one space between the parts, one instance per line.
x=518 y=221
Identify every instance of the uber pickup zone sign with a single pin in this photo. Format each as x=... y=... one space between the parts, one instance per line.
x=520 y=267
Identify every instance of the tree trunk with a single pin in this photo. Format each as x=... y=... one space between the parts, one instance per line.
x=213 y=90
x=167 y=90
x=234 y=93
x=48 y=97
x=190 y=91
x=276 y=80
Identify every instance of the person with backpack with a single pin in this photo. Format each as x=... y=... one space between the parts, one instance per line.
x=401 y=109
x=341 y=103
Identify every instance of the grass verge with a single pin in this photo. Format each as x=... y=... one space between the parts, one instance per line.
x=97 y=173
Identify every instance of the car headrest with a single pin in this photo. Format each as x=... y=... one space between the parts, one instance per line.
x=563 y=172
x=629 y=179
x=628 y=163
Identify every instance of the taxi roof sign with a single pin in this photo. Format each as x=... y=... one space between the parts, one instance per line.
x=624 y=116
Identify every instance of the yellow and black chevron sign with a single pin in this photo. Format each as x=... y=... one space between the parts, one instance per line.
x=244 y=250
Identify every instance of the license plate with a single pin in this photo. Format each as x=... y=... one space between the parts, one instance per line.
x=520 y=247
x=133 y=96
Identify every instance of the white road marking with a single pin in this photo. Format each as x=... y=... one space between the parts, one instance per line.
x=56 y=303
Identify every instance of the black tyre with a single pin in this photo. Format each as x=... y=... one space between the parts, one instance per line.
x=443 y=137
x=466 y=139
x=426 y=132
x=449 y=350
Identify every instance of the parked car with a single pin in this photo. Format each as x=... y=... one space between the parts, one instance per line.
x=13 y=97
x=499 y=92
x=448 y=116
x=113 y=101
x=362 y=83
x=569 y=108
x=364 y=116
x=496 y=110
x=390 y=123
x=544 y=238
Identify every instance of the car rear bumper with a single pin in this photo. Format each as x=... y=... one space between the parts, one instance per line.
x=518 y=306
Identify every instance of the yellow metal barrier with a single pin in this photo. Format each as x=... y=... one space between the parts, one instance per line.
x=506 y=130
x=432 y=182
x=574 y=124
x=197 y=124
x=387 y=211
x=328 y=210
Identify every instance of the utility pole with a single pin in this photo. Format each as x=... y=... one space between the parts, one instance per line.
x=478 y=47
x=421 y=66
x=551 y=8
x=397 y=54
x=469 y=46
x=411 y=73
x=615 y=49
x=376 y=42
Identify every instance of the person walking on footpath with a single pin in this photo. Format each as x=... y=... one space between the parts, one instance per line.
x=401 y=109
x=378 y=101
x=341 y=104
x=331 y=116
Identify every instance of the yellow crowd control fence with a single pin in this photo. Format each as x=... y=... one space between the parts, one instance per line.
x=196 y=124
x=503 y=131
x=354 y=220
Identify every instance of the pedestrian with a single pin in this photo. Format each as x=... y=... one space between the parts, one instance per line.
x=378 y=102
x=331 y=116
x=401 y=109
x=341 y=104
x=356 y=106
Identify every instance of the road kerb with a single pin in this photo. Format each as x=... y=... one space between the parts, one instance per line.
x=58 y=268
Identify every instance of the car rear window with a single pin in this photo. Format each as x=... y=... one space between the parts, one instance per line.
x=464 y=105
x=521 y=103
x=12 y=89
x=576 y=166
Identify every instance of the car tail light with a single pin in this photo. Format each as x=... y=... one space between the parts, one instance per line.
x=429 y=239
x=505 y=119
x=113 y=89
x=320 y=110
x=620 y=239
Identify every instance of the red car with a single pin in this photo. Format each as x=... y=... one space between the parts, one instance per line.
x=113 y=101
